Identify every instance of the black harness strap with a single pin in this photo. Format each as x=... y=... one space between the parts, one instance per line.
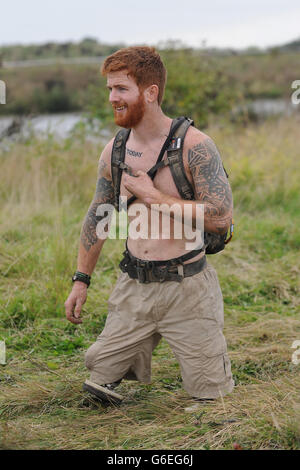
x=169 y=262
x=118 y=155
x=174 y=147
x=148 y=271
x=176 y=124
x=175 y=160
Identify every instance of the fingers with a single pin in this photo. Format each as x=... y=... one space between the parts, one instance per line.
x=128 y=182
x=73 y=316
x=129 y=177
x=140 y=173
x=74 y=320
x=77 y=310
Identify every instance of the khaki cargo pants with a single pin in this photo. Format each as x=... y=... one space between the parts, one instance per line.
x=189 y=315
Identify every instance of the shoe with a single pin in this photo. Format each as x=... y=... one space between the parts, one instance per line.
x=103 y=393
x=203 y=400
x=198 y=405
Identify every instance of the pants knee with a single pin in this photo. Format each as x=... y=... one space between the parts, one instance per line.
x=90 y=356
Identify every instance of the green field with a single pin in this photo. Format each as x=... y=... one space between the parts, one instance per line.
x=45 y=190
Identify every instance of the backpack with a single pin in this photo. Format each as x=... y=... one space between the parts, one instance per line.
x=213 y=243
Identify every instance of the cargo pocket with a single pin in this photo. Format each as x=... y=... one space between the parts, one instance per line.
x=216 y=364
x=210 y=306
x=196 y=294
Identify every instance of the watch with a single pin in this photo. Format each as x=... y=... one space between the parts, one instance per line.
x=78 y=276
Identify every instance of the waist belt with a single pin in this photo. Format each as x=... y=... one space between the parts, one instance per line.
x=160 y=271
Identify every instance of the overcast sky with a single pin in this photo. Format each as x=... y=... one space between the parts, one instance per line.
x=224 y=23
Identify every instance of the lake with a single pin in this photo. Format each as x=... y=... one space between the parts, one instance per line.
x=61 y=126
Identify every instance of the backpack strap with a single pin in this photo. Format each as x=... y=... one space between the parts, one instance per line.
x=175 y=161
x=176 y=123
x=118 y=157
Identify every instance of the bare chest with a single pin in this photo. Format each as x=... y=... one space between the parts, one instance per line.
x=144 y=159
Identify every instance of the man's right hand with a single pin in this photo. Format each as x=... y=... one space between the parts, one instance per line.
x=75 y=302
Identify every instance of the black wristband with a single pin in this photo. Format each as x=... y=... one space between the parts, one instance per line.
x=82 y=277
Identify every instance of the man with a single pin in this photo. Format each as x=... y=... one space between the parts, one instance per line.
x=187 y=308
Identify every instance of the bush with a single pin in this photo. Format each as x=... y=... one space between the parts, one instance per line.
x=196 y=87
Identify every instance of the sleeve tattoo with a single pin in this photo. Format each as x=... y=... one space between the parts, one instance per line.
x=211 y=184
x=104 y=194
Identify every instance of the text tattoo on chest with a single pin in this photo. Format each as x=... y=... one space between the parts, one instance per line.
x=133 y=153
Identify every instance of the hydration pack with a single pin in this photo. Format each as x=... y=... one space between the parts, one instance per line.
x=213 y=243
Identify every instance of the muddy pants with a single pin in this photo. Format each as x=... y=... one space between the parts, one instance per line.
x=189 y=315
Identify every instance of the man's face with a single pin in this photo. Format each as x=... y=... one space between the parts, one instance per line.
x=126 y=99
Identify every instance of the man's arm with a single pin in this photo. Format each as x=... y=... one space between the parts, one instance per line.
x=90 y=245
x=211 y=186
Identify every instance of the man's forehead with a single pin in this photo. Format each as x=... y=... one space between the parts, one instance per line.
x=120 y=76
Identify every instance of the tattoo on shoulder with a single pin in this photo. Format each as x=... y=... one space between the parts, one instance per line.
x=210 y=180
x=102 y=166
x=104 y=195
x=133 y=153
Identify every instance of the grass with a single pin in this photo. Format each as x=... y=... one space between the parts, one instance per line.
x=46 y=188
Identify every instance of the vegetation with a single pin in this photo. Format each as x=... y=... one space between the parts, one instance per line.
x=201 y=82
x=87 y=47
x=91 y=47
x=55 y=88
x=45 y=191
x=196 y=87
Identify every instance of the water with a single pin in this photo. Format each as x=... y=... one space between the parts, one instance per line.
x=264 y=108
x=61 y=126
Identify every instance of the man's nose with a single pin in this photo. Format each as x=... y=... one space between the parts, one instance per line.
x=113 y=96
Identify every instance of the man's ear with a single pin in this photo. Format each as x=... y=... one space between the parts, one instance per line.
x=151 y=93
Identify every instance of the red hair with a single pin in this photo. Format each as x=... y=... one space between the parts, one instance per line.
x=143 y=64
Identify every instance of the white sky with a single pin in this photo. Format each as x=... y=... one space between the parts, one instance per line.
x=223 y=23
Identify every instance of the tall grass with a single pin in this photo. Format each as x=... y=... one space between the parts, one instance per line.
x=45 y=190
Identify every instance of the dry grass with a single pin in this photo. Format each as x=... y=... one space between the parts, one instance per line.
x=46 y=189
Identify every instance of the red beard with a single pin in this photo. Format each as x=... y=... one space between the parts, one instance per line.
x=132 y=115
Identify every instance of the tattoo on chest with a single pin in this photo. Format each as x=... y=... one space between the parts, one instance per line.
x=133 y=153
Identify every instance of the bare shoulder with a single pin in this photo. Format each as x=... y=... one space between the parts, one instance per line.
x=197 y=139
x=105 y=159
x=193 y=137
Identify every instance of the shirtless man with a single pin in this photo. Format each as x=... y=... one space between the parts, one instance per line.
x=188 y=314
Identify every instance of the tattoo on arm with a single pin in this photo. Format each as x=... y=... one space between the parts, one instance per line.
x=211 y=184
x=104 y=194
